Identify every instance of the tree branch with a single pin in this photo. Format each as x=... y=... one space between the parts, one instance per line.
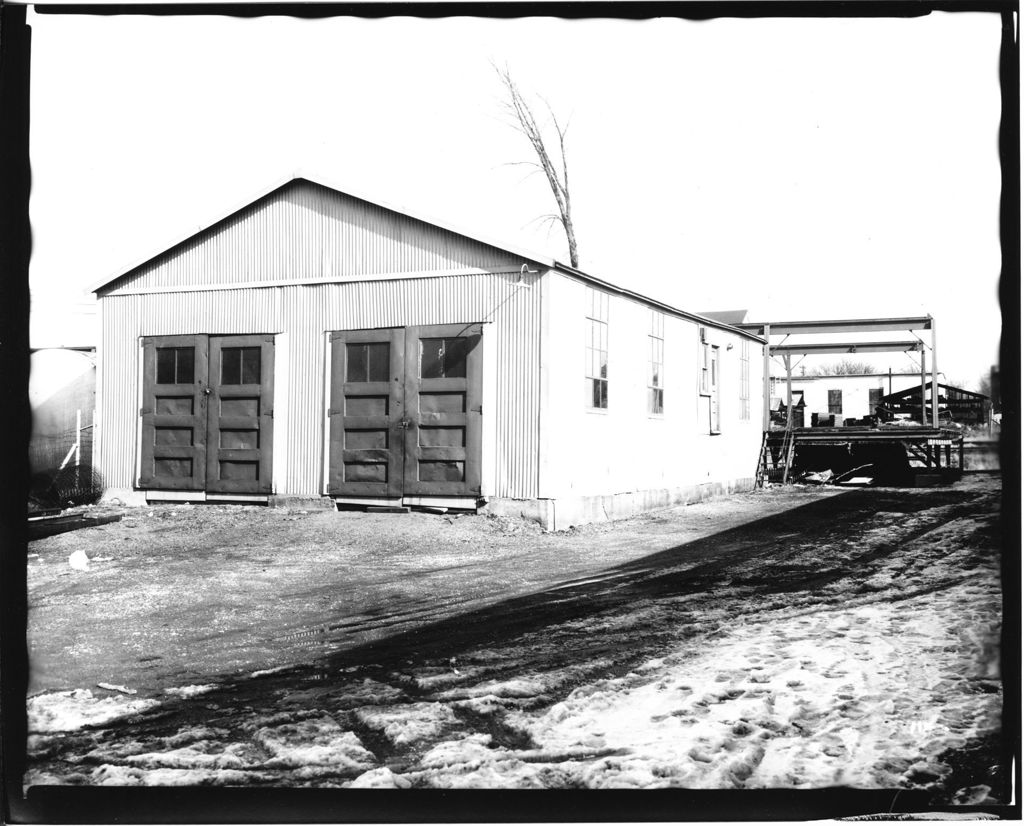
x=517 y=106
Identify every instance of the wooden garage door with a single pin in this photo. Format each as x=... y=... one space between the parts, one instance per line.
x=405 y=412
x=366 y=413
x=443 y=372
x=207 y=415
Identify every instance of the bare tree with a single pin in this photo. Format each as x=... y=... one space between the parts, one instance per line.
x=526 y=123
x=843 y=367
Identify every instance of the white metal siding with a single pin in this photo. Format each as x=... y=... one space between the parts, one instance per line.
x=303 y=314
x=305 y=231
x=625 y=449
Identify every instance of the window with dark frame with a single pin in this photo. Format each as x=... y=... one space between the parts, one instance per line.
x=443 y=358
x=240 y=365
x=656 y=364
x=835 y=401
x=596 y=350
x=367 y=362
x=175 y=365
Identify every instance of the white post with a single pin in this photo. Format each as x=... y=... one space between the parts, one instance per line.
x=935 y=379
x=789 y=392
x=78 y=438
x=924 y=395
x=767 y=415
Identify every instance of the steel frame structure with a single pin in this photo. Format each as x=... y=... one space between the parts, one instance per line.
x=767 y=329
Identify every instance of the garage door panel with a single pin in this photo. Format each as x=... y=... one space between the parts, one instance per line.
x=443 y=385
x=241 y=425
x=365 y=455
x=173 y=412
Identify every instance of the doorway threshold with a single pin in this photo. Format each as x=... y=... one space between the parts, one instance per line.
x=154 y=496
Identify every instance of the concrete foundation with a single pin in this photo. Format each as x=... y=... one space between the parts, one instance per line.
x=563 y=513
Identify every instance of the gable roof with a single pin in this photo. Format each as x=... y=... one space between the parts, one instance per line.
x=543 y=260
x=293 y=180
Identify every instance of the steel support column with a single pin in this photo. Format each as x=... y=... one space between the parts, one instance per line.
x=924 y=393
x=935 y=379
x=789 y=391
x=767 y=391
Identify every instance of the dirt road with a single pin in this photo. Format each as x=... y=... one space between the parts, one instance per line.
x=787 y=638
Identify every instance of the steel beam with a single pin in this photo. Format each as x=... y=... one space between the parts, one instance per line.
x=848 y=325
x=846 y=347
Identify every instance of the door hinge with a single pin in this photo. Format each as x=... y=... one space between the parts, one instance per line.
x=333 y=411
x=144 y=410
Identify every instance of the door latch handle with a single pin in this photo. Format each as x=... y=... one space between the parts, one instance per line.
x=404 y=423
x=206 y=391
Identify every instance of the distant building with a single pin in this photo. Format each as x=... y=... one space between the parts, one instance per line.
x=318 y=344
x=846 y=396
x=955 y=404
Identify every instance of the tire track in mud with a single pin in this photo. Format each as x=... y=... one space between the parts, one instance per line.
x=546 y=645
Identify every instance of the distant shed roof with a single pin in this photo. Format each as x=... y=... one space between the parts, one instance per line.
x=709 y=320
x=727 y=316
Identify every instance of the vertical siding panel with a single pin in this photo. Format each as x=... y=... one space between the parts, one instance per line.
x=304 y=230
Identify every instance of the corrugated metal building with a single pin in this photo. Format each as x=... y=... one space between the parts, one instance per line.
x=316 y=344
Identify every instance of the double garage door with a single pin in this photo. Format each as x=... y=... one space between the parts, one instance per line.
x=404 y=412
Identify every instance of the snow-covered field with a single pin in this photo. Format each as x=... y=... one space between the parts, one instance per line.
x=861 y=656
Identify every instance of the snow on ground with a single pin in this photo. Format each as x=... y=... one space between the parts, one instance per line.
x=71 y=710
x=867 y=678
x=863 y=691
x=186 y=691
x=843 y=696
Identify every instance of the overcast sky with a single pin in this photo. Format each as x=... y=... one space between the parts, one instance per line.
x=825 y=168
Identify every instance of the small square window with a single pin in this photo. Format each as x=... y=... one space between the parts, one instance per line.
x=175 y=365
x=367 y=362
x=240 y=365
x=443 y=358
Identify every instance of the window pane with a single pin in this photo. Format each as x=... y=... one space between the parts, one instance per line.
x=240 y=365
x=655 y=400
x=455 y=352
x=165 y=365
x=355 y=362
x=231 y=365
x=185 y=365
x=250 y=365
x=378 y=361
x=442 y=358
x=367 y=362
x=835 y=401
x=175 y=365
